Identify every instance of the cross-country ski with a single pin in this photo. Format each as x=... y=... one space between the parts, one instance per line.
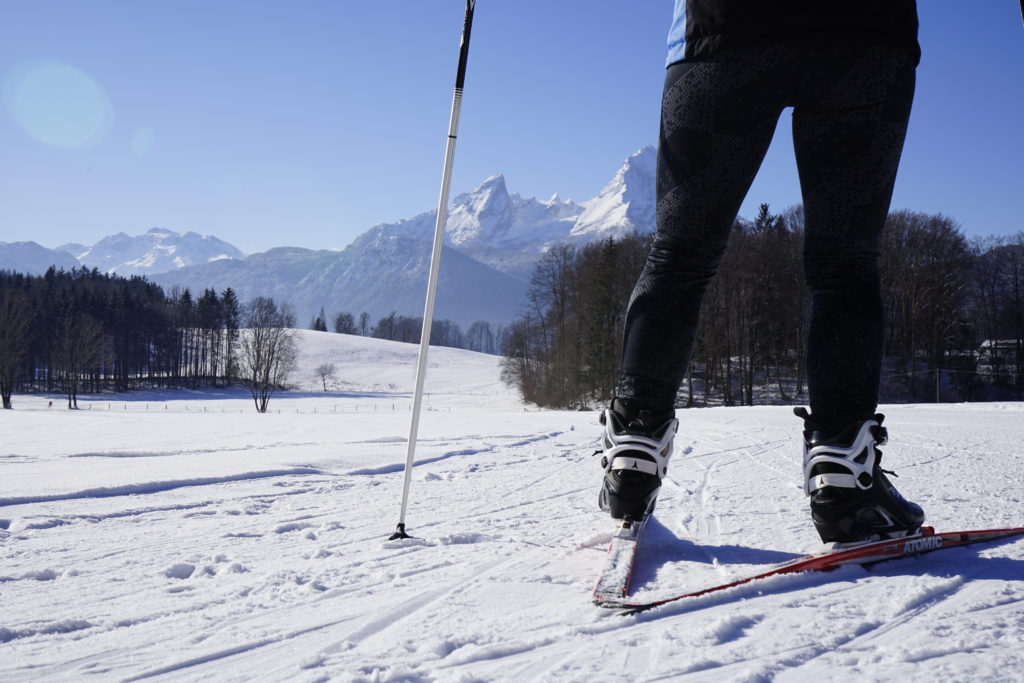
x=864 y=554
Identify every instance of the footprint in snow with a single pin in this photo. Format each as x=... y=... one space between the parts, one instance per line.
x=181 y=570
x=292 y=526
x=461 y=539
x=38 y=575
x=187 y=570
x=29 y=524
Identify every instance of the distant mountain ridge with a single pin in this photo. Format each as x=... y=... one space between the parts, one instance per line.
x=33 y=259
x=157 y=251
x=378 y=275
x=493 y=240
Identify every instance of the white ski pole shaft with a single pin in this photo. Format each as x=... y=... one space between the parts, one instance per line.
x=435 y=266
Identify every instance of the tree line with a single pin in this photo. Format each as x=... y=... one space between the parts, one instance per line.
x=954 y=317
x=83 y=331
x=480 y=336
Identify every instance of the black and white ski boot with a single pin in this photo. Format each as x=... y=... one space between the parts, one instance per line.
x=637 y=448
x=851 y=498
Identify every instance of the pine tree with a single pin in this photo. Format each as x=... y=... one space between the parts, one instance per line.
x=15 y=339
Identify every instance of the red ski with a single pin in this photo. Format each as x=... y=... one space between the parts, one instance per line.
x=869 y=553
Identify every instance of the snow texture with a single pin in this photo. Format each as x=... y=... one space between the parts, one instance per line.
x=183 y=536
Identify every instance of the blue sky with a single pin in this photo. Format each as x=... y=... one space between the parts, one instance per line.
x=305 y=123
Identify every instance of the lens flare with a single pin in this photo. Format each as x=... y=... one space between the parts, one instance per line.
x=58 y=104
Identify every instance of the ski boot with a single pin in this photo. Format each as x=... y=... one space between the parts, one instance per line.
x=637 y=448
x=852 y=500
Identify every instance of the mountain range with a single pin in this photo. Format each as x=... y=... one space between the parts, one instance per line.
x=493 y=239
x=157 y=251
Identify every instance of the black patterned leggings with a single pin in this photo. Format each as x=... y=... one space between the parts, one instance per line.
x=850 y=112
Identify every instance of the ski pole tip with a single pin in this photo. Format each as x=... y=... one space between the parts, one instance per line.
x=399 y=533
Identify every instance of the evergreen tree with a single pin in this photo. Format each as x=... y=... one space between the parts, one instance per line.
x=230 y=314
x=319 y=322
x=15 y=339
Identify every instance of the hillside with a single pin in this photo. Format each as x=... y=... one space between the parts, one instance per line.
x=184 y=536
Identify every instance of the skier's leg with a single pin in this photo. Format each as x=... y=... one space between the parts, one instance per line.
x=717 y=121
x=848 y=132
x=848 y=136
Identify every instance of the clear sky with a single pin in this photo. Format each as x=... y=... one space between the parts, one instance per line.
x=304 y=123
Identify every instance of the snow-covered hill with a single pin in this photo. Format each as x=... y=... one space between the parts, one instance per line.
x=157 y=251
x=183 y=536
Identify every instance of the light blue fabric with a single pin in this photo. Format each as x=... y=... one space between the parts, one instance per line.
x=677 y=34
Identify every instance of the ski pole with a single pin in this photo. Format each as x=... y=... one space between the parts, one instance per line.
x=435 y=266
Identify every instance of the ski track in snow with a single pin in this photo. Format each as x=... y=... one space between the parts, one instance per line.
x=172 y=546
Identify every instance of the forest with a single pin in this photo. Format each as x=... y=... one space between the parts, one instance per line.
x=83 y=332
x=954 y=318
x=954 y=323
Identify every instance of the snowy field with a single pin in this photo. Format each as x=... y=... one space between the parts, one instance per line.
x=183 y=536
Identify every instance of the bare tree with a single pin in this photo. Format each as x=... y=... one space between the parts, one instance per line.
x=324 y=372
x=925 y=267
x=15 y=337
x=387 y=327
x=268 y=352
x=444 y=333
x=479 y=337
x=344 y=323
x=79 y=344
x=564 y=351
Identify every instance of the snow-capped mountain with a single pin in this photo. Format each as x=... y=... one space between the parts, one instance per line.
x=509 y=232
x=73 y=248
x=625 y=205
x=378 y=274
x=32 y=259
x=157 y=251
x=505 y=231
x=493 y=240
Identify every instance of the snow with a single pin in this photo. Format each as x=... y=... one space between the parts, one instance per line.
x=183 y=536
